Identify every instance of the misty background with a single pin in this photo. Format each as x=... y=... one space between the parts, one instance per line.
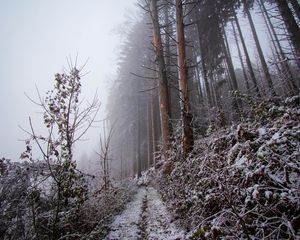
x=36 y=38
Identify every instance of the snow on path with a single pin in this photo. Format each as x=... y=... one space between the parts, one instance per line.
x=125 y=226
x=145 y=218
x=159 y=220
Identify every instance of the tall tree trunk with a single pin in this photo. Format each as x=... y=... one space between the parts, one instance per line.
x=248 y=61
x=291 y=25
x=259 y=50
x=222 y=121
x=272 y=34
x=126 y=154
x=139 y=165
x=205 y=74
x=198 y=80
x=168 y=54
x=122 y=164
x=211 y=87
x=240 y=57
x=149 y=132
x=188 y=138
x=162 y=79
x=134 y=152
x=203 y=65
x=284 y=64
x=234 y=86
x=153 y=130
x=296 y=7
x=228 y=58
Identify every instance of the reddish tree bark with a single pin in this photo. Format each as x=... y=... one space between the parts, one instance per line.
x=188 y=138
x=162 y=78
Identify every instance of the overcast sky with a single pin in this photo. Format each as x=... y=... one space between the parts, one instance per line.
x=36 y=37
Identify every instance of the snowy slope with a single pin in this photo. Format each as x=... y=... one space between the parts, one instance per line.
x=242 y=182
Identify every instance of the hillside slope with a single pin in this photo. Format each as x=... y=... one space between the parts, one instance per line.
x=242 y=182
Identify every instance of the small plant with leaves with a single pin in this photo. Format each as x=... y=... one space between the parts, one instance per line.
x=66 y=122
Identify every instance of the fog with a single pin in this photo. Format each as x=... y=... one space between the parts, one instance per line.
x=36 y=38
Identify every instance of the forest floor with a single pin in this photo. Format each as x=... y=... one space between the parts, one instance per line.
x=145 y=217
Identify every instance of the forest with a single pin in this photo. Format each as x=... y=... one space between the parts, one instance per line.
x=201 y=138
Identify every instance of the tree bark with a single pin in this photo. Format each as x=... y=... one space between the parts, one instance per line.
x=291 y=25
x=296 y=7
x=188 y=138
x=162 y=79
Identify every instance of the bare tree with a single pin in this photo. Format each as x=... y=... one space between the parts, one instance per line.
x=104 y=151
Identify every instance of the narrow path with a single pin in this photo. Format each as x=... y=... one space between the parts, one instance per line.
x=125 y=226
x=145 y=218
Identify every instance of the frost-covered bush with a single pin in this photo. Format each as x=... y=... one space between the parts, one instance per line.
x=243 y=182
x=27 y=210
x=14 y=185
x=103 y=207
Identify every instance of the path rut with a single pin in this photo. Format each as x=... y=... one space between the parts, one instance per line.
x=145 y=218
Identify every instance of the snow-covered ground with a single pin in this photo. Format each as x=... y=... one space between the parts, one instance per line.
x=146 y=217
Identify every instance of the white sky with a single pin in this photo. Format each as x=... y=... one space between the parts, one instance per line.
x=36 y=37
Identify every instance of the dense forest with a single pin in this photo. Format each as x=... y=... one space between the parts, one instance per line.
x=204 y=113
x=188 y=68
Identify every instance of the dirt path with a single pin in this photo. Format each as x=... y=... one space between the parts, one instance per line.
x=145 y=218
